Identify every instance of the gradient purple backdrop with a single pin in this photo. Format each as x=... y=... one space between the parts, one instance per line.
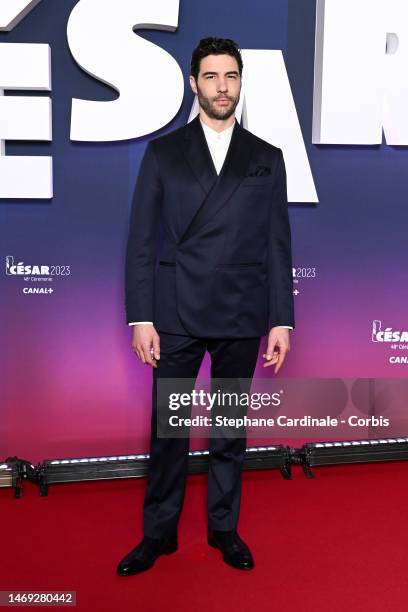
x=72 y=386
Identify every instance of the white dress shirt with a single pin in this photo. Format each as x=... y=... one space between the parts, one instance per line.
x=218 y=143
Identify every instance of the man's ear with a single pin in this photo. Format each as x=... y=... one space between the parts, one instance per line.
x=193 y=83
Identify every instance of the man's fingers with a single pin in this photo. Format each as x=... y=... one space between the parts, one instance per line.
x=153 y=361
x=271 y=354
x=277 y=357
x=138 y=351
x=281 y=359
x=146 y=349
x=156 y=347
x=271 y=361
x=146 y=344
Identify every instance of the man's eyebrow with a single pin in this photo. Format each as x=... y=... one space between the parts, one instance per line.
x=213 y=72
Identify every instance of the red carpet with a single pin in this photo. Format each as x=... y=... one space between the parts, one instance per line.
x=335 y=543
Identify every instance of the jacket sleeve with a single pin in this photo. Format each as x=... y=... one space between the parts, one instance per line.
x=280 y=271
x=142 y=240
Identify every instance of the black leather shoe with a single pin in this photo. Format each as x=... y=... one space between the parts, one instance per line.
x=234 y=551
x=144 y=555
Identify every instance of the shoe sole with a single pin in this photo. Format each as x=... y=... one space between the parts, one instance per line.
x=212 y=543
x=168 y=550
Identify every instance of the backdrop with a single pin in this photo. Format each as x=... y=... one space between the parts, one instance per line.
x=70 y=384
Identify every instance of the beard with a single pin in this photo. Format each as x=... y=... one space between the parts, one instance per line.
x=213 y=111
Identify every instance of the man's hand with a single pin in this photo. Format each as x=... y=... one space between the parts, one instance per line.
x=146 y=344
x=278 y=338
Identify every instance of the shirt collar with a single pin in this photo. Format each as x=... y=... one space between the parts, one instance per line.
x=224 y=135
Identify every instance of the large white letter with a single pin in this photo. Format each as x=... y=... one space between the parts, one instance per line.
x=13 y=11
x=148 y=79
x=268 y=110
x=25 y=66
x=361 y=82
x=395 y=99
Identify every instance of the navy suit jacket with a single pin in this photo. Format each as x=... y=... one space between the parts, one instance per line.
x=210 y=255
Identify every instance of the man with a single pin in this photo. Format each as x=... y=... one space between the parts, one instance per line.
x=208 y=268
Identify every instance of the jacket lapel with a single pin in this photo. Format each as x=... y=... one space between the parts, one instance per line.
x=198 y=154
x=217 y=188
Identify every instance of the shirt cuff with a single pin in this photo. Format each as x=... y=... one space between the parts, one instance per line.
x=285 y=326
x=141 y=323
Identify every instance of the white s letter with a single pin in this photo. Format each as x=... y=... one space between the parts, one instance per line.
x=148 y=79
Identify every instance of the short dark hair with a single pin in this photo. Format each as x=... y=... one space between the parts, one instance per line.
x=214 y=46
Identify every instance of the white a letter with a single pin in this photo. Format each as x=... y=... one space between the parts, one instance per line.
x=268 y=110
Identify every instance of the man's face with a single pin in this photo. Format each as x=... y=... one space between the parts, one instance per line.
x=218 y=85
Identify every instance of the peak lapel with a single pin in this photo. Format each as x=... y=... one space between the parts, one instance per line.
x=223 y=186
x=198 y=155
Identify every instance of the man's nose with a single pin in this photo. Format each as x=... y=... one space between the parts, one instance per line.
x=222 y=85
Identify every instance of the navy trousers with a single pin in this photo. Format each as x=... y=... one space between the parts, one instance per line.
x=181 y=357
